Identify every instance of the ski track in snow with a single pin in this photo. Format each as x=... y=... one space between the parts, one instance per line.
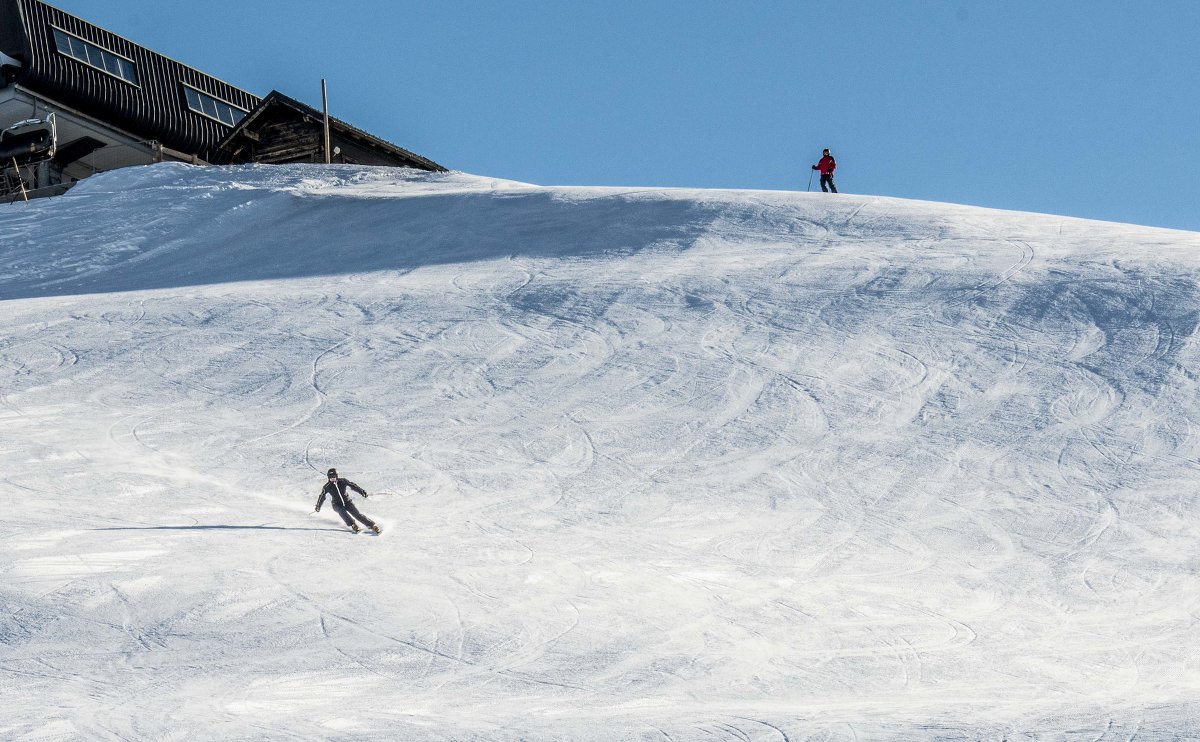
x=651 y=464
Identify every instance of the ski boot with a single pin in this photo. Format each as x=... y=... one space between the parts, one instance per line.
x=376 y=529
x=354 y=527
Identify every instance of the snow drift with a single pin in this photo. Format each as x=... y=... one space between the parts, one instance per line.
x=651 y=464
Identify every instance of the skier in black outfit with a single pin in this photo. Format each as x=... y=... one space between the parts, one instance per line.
x=342 y=504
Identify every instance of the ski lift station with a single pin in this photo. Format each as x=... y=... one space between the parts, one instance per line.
x=76 y=99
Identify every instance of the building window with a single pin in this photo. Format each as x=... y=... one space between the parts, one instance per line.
x=93 y=56
x=214 y=108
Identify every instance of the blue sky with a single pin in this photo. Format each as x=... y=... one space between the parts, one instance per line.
x=1086 y=108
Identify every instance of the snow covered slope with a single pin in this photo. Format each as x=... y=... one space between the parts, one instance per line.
x=651 y=464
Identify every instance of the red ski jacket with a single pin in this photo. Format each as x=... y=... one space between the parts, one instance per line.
x=827 y=165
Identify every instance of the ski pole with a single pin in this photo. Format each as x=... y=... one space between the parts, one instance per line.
x=810 y=172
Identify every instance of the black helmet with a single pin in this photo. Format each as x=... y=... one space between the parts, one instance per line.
x=332 y=473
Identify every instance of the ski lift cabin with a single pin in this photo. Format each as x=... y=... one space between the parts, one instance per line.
x=29 y=141
x=25 y=143
x=114 y=103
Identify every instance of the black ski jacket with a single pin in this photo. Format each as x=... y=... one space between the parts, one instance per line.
x=337 y=492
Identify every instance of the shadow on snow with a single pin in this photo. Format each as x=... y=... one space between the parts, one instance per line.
x=205 y=229
x=212 y=528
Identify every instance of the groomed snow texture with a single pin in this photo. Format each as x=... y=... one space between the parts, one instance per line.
x=651 y=464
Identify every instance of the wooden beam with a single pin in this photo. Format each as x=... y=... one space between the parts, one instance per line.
x=286 y=154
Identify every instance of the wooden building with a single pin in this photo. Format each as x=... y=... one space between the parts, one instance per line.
x=117 y=103
x=282 y=129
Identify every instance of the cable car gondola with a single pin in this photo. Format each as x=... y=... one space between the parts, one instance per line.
x=29 y=141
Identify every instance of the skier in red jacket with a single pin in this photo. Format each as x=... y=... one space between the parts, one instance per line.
x=827 y=165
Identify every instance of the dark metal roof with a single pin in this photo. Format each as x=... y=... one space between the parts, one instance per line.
x=152 y=98
x=153 y=107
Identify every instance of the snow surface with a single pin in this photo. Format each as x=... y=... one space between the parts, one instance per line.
x=652 y=464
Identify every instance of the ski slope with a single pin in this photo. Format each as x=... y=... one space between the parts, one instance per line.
x=651 y=464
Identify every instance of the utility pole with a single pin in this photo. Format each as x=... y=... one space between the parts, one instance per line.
x=325 y=105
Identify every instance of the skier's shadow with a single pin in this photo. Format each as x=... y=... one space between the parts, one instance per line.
x=212 y=528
